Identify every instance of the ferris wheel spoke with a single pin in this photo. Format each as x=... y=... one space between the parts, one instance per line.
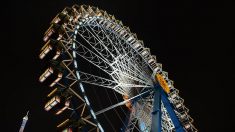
x=128 y=66
x=102 y=46
x=136 y=59
x=120 y=103
x=141 y=62
x=117 y=44
x=120 y=76
x=107 y=37
x=96 y=80
x=92 y=57
x=103 y=82
x=121 y=63
x=120 y=73
x=112 y=68
x=129 y=49
x=95 y=43
x=130 y=85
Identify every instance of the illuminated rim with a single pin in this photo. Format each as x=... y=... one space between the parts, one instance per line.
x=81 y=86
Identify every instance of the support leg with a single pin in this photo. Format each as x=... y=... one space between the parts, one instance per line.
x=156 y=114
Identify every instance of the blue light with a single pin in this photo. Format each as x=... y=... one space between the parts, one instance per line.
x=143 y=127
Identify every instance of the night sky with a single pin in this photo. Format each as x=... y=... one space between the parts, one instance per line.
x=191 y=38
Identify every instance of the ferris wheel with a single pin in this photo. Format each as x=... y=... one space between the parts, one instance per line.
x=104 y=79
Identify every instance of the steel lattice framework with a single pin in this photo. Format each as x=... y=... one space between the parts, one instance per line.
x=130 y=70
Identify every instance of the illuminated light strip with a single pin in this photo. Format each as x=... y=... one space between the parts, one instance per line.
x=52 y=92
x=46 y=50
x=64 y=122
x=80 y=84
x=87 y=101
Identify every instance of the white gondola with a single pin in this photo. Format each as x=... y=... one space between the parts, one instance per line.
x=146 y=52
x=46 y=49
x=46 y=74
x=137 y=45
x=52 y=102
x=187 y=126
x=49 y=32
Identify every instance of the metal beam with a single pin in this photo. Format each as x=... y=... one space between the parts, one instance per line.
x=156 y=114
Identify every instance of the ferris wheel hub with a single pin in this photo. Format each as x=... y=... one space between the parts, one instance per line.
x=162 y=82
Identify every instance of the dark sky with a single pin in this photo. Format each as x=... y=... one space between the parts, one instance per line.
x=191 y=38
